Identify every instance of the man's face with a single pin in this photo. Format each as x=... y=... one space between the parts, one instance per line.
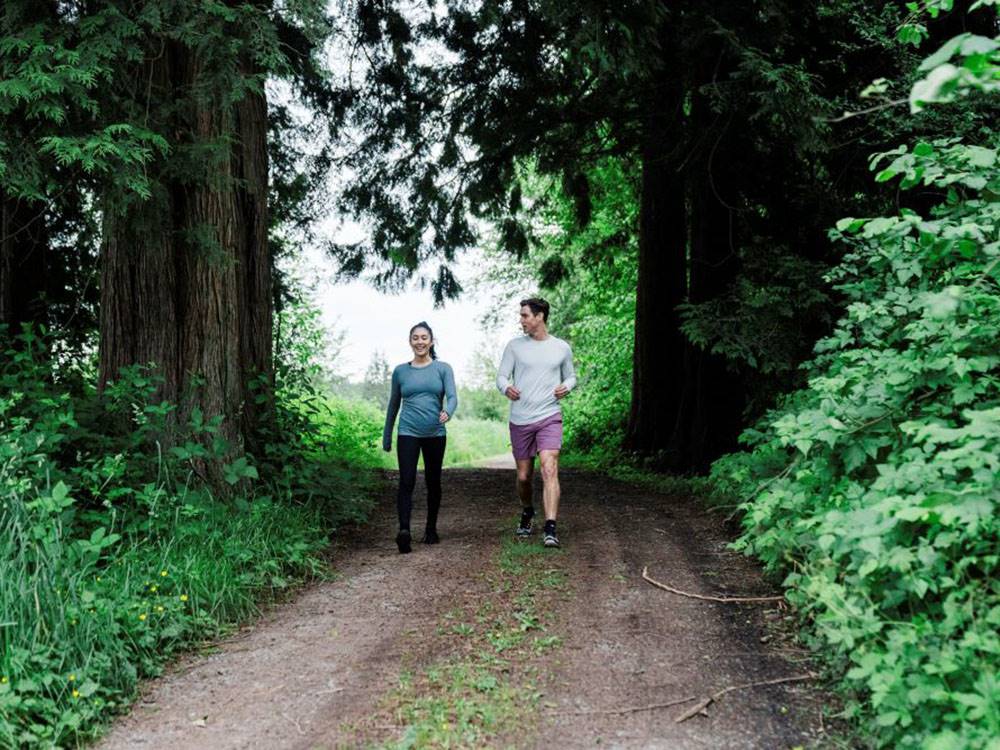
x=529 y=321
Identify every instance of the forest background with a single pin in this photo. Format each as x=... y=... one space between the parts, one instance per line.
x=768 y=230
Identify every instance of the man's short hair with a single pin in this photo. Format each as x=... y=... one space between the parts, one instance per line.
x=537 y=305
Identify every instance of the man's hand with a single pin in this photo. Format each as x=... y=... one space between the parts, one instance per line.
x=443 y=417
x=512 y=393
x=561 y=391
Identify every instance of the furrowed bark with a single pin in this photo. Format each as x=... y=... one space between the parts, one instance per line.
x=186 y=276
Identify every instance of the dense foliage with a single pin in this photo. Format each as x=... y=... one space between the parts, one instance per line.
x=876 y=487
x=666 y=172
x=588 y=274
x=115 y=553
x=724 y=113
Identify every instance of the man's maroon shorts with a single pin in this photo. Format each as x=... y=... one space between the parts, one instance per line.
x=527 y=440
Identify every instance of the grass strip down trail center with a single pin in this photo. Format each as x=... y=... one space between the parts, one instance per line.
x=487 y=641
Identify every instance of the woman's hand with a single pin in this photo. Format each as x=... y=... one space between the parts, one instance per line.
x=443 y=417
x=387 y=447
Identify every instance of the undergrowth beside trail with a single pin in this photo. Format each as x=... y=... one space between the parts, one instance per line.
x=114 y=552
x=875 y=490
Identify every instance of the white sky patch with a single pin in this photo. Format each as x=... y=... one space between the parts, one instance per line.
x=377 y=321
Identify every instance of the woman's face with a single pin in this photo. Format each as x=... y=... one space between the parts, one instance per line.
x=420 y=341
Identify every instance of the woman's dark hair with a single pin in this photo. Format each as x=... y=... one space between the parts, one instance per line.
x=537 y=305
x=423 y=324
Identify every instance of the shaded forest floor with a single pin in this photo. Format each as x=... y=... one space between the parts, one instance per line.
x=483 y=640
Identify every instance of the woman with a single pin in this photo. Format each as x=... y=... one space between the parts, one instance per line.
x=421 y=384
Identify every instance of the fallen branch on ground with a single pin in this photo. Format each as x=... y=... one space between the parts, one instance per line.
x=702 y=705
x=629 y=709
x=723 y=599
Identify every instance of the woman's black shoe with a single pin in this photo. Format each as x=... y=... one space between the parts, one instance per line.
x=403 y=540
x=431 y=537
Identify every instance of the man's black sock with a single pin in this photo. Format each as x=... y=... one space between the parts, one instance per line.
x=550 y=527
x=527 y=513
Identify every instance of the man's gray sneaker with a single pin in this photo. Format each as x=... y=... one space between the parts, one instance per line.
x=550 y=540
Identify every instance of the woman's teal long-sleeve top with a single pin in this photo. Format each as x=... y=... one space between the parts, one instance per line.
x=421 y=390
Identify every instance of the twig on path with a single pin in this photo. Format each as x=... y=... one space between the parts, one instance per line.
x=294 y=722
x=705 y=703
x=331 y=690
x=629 y=709
x=723 y=599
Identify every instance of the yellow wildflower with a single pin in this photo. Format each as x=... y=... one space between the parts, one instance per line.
x=183 y=597
x=152 y=589
x=3 y=680
x=163 y=573
x=142 y=616
x=76 y=693
x=159 y=608
x=71 y=678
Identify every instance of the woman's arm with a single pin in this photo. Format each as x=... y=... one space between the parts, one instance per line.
x=391 y=411
x=450 y=392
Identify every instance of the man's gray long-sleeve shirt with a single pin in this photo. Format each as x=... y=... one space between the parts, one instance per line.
x=535 y=368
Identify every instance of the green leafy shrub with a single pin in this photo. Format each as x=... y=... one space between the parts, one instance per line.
x=876 y=489
x=114 y=553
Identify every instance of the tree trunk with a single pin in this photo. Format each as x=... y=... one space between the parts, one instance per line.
x=186 y=276
x=657 y=367
x=686 y=405
x=6 y=264
x=713 y=397
x=23 y=246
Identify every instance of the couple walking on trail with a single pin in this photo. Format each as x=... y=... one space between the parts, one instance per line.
x=535 y=374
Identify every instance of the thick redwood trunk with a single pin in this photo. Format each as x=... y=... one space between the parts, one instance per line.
x=712 y=398
x=657 y=369
x=686 y=405
x=186 y=276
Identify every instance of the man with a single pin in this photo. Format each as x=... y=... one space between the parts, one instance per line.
x=536 y=372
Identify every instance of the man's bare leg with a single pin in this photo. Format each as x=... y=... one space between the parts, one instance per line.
x=525 y=476
x=549 y=460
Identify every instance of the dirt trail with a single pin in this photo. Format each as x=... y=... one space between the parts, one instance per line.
x=305 y=672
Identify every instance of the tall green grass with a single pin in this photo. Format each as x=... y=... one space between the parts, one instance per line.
x=86 y=617
x=472 y=440
x=115 y=553
x=469 y=441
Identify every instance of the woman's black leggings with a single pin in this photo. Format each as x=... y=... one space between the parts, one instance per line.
x=408 y=450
